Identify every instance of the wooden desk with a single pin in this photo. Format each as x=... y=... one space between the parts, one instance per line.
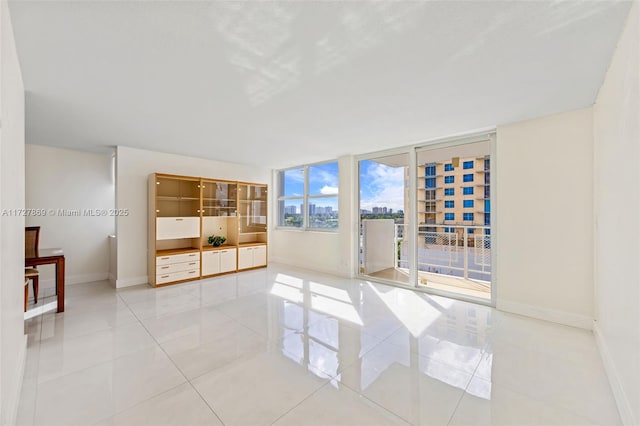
x=47 y=257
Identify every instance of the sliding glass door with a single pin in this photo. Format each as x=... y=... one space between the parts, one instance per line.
x=425 y=218
x=454 y=219
x=384 y=208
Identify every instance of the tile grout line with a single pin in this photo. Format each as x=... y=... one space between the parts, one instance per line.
x=464 y=393
x=327 y=381
x=552 y=356
x=375 y=403
x=473 y=375
x=100 y=363
x=173 y=363
x=335 y=377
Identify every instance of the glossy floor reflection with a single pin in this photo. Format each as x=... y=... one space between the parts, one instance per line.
x=287 y=346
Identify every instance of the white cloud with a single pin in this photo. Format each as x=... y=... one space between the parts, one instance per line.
x=384 y=187
x=322 y=176
x=329 y=190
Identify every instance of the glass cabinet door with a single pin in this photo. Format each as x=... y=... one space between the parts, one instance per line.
x=177 y=197
x=219 y=198
x=252 y=208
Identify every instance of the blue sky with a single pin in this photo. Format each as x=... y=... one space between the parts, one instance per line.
x=381 y=186
x=323 y=180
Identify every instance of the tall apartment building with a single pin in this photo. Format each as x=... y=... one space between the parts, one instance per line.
x=456 y=194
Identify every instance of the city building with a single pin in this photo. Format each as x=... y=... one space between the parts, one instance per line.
x=456 y=197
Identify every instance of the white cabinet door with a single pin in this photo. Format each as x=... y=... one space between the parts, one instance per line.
x=210 y=262
x=259 y=255
x=168 y=228
x=245 y=258
x=227 y=260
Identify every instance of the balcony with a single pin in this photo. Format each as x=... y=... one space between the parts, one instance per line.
x=457 y=262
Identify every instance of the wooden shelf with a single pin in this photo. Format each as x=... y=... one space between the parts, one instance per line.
x=177 y=251
x=251 y=244
x=207 y=207
x=222 y=247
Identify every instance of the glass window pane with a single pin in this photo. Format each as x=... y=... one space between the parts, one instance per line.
x=430 y=182
x=323 y=213
x=292 y=183
x=291 y=213
x=430 y=170
x=323 y=179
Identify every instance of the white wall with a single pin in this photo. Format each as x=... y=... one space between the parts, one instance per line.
x=544 y=207
x=330 y=252
x=133 y=167
x=617 y=212
x=12 y=340
x=68 y=180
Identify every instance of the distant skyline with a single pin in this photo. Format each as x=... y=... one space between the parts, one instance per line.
x=381 y=186
x=323 y=180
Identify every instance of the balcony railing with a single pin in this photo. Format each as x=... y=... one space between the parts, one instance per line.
x=464 y=252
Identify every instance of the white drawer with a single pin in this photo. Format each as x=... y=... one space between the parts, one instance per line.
x=177 y=258
x=177 y=267
x=177 y=276
x=168 y=228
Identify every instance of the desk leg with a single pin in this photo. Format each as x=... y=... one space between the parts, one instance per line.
x=60 y=283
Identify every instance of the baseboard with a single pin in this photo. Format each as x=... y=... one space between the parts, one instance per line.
x=624 y=407
x=13 y=399
x=551 y=315
x=309 y=266
x=129 y=282
x=77 y=279
x=112 y=279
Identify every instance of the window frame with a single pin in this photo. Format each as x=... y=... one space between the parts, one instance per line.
x=450 y=178
x=306 y=199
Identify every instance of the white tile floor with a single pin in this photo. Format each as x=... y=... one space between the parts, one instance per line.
x=286 y=346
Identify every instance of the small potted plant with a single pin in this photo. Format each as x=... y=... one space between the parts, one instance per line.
x=216 y=241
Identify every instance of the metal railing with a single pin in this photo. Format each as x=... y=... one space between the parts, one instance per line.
x=464 y=252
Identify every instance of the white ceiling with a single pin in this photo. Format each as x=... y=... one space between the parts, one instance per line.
x=285 y=83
